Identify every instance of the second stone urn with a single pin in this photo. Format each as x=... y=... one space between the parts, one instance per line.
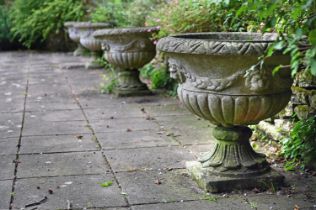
x=88 y=41
x=222 y=82
x=128 y=49
x=74 y=36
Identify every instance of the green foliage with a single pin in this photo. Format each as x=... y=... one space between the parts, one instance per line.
x=195 y=16
x=110 y=11
x=158 y=76
x=4 y=23
x=300 y=147
x=109 y=79
x=124 y=13
x=138 y=10
x=36 y=20
x=295 y=21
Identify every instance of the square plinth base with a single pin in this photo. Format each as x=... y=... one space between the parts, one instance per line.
x=126 y=93
x=214 y=183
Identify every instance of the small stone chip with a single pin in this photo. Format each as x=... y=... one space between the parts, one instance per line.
x=157 y=182
x=50 y=191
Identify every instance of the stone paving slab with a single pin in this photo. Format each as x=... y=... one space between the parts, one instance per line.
x=10 y=124
x=8 y=146
x=120 y=111
x=148 y=158
x=95 y=100
x=166 y=110
x=141 y=186
x=7 y=166
x=50 y=103
x=44 y=89
x=80 y=191
x=77 y=163
x=181 y=127
x=123 y=125
x=57 y=143
x=5 y=194
x=35 y=127
x=134 y=139
x=274 y=202
x=199 y=150
x=221 y=204
x=145 y=141
x=55 y=115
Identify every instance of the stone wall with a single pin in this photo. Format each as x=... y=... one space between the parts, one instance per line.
x=302 y=104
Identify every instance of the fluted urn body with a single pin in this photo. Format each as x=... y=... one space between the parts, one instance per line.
x=74 y=36
x=128 y=49
x=222 y=82
x=87 y=40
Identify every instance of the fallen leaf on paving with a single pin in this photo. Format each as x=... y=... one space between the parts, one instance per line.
x=296 y=207
x=106 y=184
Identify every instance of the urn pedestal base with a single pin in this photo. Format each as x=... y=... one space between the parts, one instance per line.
x=216 y=183
x=129 y=84
x=233 y=164
x=79 y=51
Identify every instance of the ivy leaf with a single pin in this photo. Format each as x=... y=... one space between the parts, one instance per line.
x=312 y=37
x=279 y=45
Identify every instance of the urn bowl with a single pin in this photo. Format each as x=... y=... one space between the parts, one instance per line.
x=128 y=48
x=72 y=32
x=221 y=78
x=86 y=30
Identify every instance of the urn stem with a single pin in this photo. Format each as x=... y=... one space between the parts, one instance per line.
x=233 y=154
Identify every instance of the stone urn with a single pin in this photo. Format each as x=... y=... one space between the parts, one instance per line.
x=128 y=49
x=74 y=36
x=89 y=42
x=222 y=82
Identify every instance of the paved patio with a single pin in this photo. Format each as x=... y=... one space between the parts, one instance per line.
x=63 y=145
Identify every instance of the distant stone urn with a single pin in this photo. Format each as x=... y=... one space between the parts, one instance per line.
x=85 y=31
x=74 y=36
x=222 y=82
x=128 y=49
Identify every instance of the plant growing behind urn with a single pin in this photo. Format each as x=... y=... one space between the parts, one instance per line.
x=88 y=41
x=221 y=81
x=128 y=49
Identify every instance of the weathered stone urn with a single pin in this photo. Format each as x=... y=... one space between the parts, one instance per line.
x=221 y=81
x=74 y=36
x=88 y=41
x=128 y=49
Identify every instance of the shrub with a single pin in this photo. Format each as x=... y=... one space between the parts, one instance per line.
x=300 y=147
x=5 y=36
x=124 y=13
x=138 y=10
x=35 y=20
x=110 y=11
x=295 y=18
x=158 y=76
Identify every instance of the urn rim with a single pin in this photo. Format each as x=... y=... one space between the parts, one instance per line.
x=69 y=24
x=127 y=30
x=90 y=25
x=217 y=43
